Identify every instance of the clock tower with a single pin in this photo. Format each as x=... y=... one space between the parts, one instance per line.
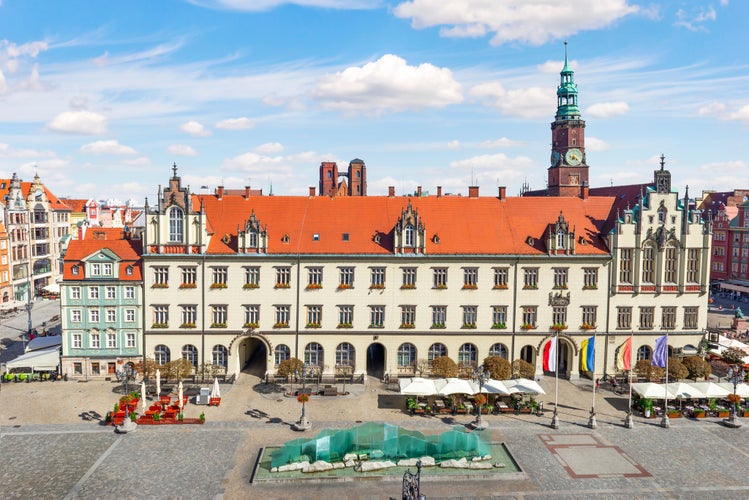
x=568 y=172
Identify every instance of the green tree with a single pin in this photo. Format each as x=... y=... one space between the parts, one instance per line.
x=698 y=368
x=523 y=369
x=444 y=367
x=498 y=367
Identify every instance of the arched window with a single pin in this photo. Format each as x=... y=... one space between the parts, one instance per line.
x=644 y=352
x=408 y=236
x=345 y=355
x=220 y=355
x=176 y=224
x=467 y=354
x=190 y=353
x=648 y=263
x=161 y=354
x=281 y=354
x=406 y=354
x=436 y=351
x=313 y=355
x=498 y=350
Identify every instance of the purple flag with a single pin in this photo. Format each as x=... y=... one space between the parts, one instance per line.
x=661 y=352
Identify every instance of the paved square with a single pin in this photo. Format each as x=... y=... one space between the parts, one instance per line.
x=583 y=456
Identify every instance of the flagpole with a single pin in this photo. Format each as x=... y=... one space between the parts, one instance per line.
x=592 y=420
x=629 y=421
x=665 y=422
x=555 y=417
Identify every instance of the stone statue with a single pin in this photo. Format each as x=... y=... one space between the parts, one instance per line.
x=738 y=314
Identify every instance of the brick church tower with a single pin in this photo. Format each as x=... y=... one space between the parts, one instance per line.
x=355 y=186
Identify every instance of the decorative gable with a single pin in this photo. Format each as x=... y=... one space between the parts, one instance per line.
x=409 y=232
x=560 y=239
x=253 y=238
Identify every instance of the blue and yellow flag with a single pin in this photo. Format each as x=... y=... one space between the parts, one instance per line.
x=588 y=354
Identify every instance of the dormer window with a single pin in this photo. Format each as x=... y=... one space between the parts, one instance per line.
x=253 y=239
x=75 y=270
x=129 y=270
x=408 y=236
x=176 y=224
x=561 y=239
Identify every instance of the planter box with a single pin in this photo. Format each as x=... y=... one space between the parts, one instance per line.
x=724 y=414
x=698 y=415
x=674 y=415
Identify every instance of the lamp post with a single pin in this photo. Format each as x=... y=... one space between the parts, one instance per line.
x=303 y=424
x=735 y=375
x=480 y=376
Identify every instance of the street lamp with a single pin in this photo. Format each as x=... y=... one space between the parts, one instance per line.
x=480 y=376
x=735 y=375
x=303 y=424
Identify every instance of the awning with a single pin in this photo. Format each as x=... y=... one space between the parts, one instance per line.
x=52 y=288
x=44 y=343
x=44 y=359
x=736 y=288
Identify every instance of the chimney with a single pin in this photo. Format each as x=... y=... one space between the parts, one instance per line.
x=502 y=192
x=312 y=191
x=220 y=192
x=247 y=191
x=439 y=191
x=473 y=191
x=391 y=191
x=418 y=191
x=585 y=191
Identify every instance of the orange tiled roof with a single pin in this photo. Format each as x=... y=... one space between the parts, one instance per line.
x=129 y=251
x=76 y=205
x=54 y=202
x=464 y=225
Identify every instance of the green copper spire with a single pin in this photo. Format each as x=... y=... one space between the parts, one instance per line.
x=567 y=93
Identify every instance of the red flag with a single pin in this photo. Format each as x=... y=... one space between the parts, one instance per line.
x=550 y=355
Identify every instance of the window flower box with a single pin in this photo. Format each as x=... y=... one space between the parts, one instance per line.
x=250 y=325
x=160 y=325
x=376 y=286
x=344 y=286
x=250 y=286
x=188 y=285
x=499 y=287
x=313 y=325
x=469 y=326
x=560 y=287
x=499 y=326
x=187 y=325
x=160 y=285
x=440 y=286
x=372 y=325
x=528 y=326
x=558 y=327
x=408 y=286
x=407 y=326
x=530 y=287
x=468 y=286
x=313 y=286
x=282 y=285
x=590 y=287
x=438 y=326
x=587 y=326
x=218 y=285
x=218 y=325
x=345 y=325
x=281 y=325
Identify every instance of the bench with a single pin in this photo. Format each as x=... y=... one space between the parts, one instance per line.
x=330 y=391
x=214 y=401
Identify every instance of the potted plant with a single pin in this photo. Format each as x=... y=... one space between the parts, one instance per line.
x=180 y=416
x=412 y=405
x=202 y=417
x=646 y=405
x=698 y=413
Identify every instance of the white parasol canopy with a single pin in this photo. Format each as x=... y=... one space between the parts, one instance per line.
x=651 y=390
x=711 y=389
x=417 y=386
x=447 y=386
x=491 y=386
x=742 y=389
x=523 y=386
x=158 y=383
x=143 y=397
x=179 y=395
x=215 y=390
x=685 y=391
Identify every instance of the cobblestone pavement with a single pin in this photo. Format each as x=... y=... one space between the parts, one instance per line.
x=52 y=446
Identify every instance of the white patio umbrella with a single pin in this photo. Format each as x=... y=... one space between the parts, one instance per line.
x=651 y=390
x=179 y=395
x=215 y=390
x=417 y=386
x=523 y=386
x=158 y=383
x=143 y=397
x=742 y=389
x=491 y=386
x=685 y=391
x=711 y=389
x=447 y=386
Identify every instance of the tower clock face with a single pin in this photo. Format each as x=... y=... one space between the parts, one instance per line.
x=574 y=156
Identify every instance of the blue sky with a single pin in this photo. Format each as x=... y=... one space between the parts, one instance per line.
x=100 y=98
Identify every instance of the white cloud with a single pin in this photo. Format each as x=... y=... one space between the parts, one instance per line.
x=389 y=85
x=30 y=49
x=502 y=142
x=712 y=109
x=528 y=102
x=181 y=150
x=607 y=109
x=695 y=20
x=79 y=122
x=195 y=129
x=269 y=147
x=109 y=147
x=235 y=124
x=742 y=114
x=596 y=144
x=534 y=22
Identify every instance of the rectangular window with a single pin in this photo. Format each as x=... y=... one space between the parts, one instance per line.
x=625 y=266
x=346 y=277
x=129 y=292
x=690 y=317
x=75 y=292
x=95 y=369
x=130 y=340
x=377 y=316
x=530 y=278
x=377 y=277
x=220 y=277
x=283 y=313
x=470 y=278
x=189 y=315
x=314 y=277
x=409 y=277
x=107 y=269
x=560 y=277
x=439 y=316
x=251 y=277
x=218 y=315
x=189 y=277
x=530 y=316
x=283 y=277
x=75 y=316
x=345 y=316
x=668 y=320
x=693 y=265
x=93 y=315
x=111 y=340
x=95 y=269
x=76 y=341
x=251 y=315
x=499 y=316
x=110 y=292
x=590 y=278
x=129 y=315
x=95 y=341
x=111 y=315
x=470 y=315
x=670 y=265
x=500 y=278
x=93 y=292
x=646 y=317
x=648 y=264
x=440 y=277
x=314 y=316
x=590 y=317
x=408 y=316
x=559 y=315
x=160 y=277
x=161 y=316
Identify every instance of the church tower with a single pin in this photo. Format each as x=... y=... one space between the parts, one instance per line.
x=568 y=172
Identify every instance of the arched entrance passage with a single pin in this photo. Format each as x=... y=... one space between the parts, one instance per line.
x=251 y=351
x=565 y=354
x=376 y=360
x=528 y=354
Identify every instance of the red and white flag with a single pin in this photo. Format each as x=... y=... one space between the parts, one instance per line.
x=550 y=355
